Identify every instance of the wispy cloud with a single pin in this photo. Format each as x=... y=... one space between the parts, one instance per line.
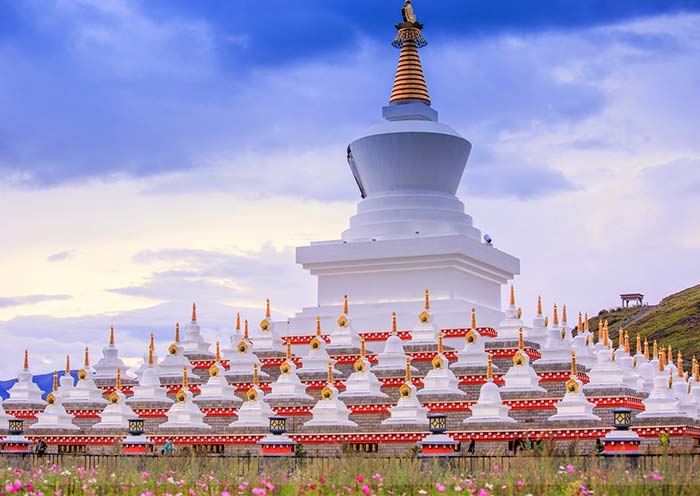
x=17 y=301
x=60 y=256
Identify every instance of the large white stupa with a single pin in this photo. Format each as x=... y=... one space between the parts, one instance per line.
x=410 y=232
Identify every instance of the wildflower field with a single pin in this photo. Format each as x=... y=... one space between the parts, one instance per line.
x=672 y=475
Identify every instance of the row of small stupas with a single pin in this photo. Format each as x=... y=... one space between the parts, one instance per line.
x=538 y=377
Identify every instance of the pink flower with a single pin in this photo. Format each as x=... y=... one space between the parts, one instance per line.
x=225 y=493
x=359 y=479
x=652 y=476
x=496 y=469
x=259 y=491
x=484 y=492
x=365 y=489
x=270 y=486
x=147 y=493
x=440 y=487
x=321 y=480
x=570 y=468
x=377 y=477
x=585 y=491
x=145 y=475
x=520 y=483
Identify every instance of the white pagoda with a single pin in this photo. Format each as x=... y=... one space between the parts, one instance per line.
x=255 y=411
x=574 y=406
x=25 y=391
x=408 y=410
x=117 y=413
x=344 y=336
x=489 y=407
x=288 y=386
x=85 y=390
x=194 y=345
x=184 y=413
x=107 y=366
x=330 y=411
x=362 y=383
x=54 y=416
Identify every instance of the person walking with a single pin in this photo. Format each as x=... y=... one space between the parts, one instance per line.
x=169 y=448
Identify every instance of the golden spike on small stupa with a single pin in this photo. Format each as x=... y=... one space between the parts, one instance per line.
x=670 y=354
x=521 y=340
x=426 y=305
x=238 y=321
x=111 y=335
x=245 y=329
x=255 y=374
x=621 y=338
x=679 y=364
x=185 y=382
x=67 y=364
x=217 y=358
x=606 y=339
x=546 y=321
x=627 y=343
x=600 y=330
x=489 y=368
x=55 y=381
x=177 y=332
x=409 y=82
x=362 y=346
x=696 y=370
x=662 y=360
x=345 y=305
x=512 y=295
x=118 y=383
x=555 y=316
x=194 y=312
x=539 y=305
x=393 y=322
x=289 y=349
x=563 y=315
x=267 y=308
x=579 y=328
x=573 y=364
x=646 y=349
x=330 y=372
x=656 y=349
x=519 y=313
x=318 y=326
x=613 y=354
x=585 y=322
x=86 y=362
x=473 y=318
x=26 y=359
x=152 y=344
x=408 y=370
x=670 y=378
x=150 y=356
x=440 y=345
x=639 y=343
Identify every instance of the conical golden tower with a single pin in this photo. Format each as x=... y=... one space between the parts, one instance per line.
x=409 y=82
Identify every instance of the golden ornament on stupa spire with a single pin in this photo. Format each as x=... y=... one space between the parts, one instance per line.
x=185 y=382
x=152 y=343
x=111 y=335
x=267 y=308
x=67 y=364
x=679 y=364
x=573 y=364
x=256 y=378
x=345 y=305
x=150 y=355
x=289 y=349
x=426 y=304
x=177 y=332
x=621 y=338
x=555 y=316
x=670 y=354
x=238 y=321
x=393 y=322
x=217 y=357
x=362 y=346
x=86 y=361
x=330 y=372
x=521 y=339
x=646 y=349
x=512 y=295
x=696 y=370
x=54 y=388
x=473 y=319
x=409 y=82
x=245 y=329
x=194 y=312
x=627 y=343
x=118 y=383
x=579 y=327
x=318 y=326
x=407 y=377
x=489 y=368
x=662 y=360
x=440 y=345
x=639 y=343
x=26 y=359
x=564 y=320
x=655 y=349
x=539 y=305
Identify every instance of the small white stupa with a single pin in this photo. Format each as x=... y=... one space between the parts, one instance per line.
x=566 y=333
x=408 y=410
x=66 y=383
x=344 y=336
x=149 y=388
x=695 y=383
x=117 y=413
x=440 y=381
x=556 y=349
x=330 y=411
x=473 y=354
x=242 y=359
x=583 y=347
x=194 y=344
x=489 y=407
x=424 y=333
x=628 y=364
x=521 y=377
x=661 y=401
x=639 y=357
x=606 y=372
x=172 y=364
x=184 y=413
x=647 y=369
x=146 y=358
x=538 y=333
x=509 y=326
x=268 y=339
x=217 y=387
x=288 y=386
x=25 y=391
x=681 y=390
x=54 y=415
x=85 y=390
x=574 y=406
x=393 y=359
x=363 y=383
x=316 y=361
x=234 y=338
x=255 y=411
x=107 y=366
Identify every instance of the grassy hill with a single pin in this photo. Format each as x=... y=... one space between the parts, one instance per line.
x=674 y=321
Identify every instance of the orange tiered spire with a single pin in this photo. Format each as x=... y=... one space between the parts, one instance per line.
x=345 y=305
x=555 y=316
x=521 y=340
x=426 y=305
x=177 y=332
x=679 y=364
x=289 y=349
x=408 y=370
x=238 y=321
x=55 y=381
x=330 y=372
x=318 y=326
x=512 y=295
x=245 y=329
x=539 y=305
x=111 y=336
x=185 y=382
x=152 y=343
x=218 y=353
x=393 y=322
x=409 y=82
x=579 y=328
x=563 y=315
x=489 y=369
x=194 y=312
x=86 y=362
x=363 y=349
x=118 y=384
x=67 y=364
x=150 y=356
x=267 y=308
x=573 y=363
x=473 y=318
x=440 y=345
x=26 y=359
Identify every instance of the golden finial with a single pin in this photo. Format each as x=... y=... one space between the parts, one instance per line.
x=194 y=312
x=579 y=328
x=670 y=379
x=267 y=308
x=86 y=362
x=185 y=382
x=111 y=335
x=152 y=344
x=563 y=315
x=67 y=364
x=55 y=381
x=330 y=372
x=546 y=321
x=218 y=353
x=408 y=370
x=345 y=305
x=573 y=363
x=318 y=326
x=600 y=330
x=621 y=338
x=613 y=354
x=245 y=329
x=696 y=370
x=519 y=314
x=489 y=368
x=627 y=343
x=150 y=356
x=670 y=354
x=118 y=383
x=555 y=316
x=289 y=349
x=255 y=374
x=521 y=340
x=679 y=363
x=656 y=349
x=512 y=295
x=585 y=322
x=26 y=359
x=393 y=322
x=440 y=345
x=238 y=321
x=426 y=305
x=646 y=349
x=606 y=341
x=409 y=83
x=177 y=332
x=662 y=360
x=362 y=346
x=474 y=318
x=639 y=343
x=539 y=305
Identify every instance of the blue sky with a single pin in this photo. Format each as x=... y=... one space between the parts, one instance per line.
x=152 y=153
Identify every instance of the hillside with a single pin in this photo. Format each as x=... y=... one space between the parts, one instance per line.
x=674 y=321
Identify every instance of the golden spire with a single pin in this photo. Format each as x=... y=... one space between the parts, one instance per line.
x=26 y=359
x=238 y=321
x=679 y=364
x=289 y=349
x=267 y=308
x=55 y=381
x=408 y=370
x=150 y=356
x=177 y=332
x=512 y=295
x=621 y=338
x=67 y=364
x=670 y=354
x=473 y=318
x=555 y=316
x=639 y=343
x=409 y=83
x=646 y=349
x=539 y=305
x=662 y=360
x=579 y=328
x=318 y=326
x=393 y=322
x=256 y=379
x=521 y=340
x=563 y=315
x=426 y=305
x=345 y=305
x=600 y=330
x=606 y=340
x=489 y=369
x=546 y=321
x=86 y=362
x=118 y=383
x=218 y=353
x=656 y=349
x=670 y=378
x=194 y=312
x=627 y=343
x=440 y=345
x=152 y=344
x=330 y=372
x=696 y=370
x=585 y=322
x=111 y=336
x=573 y=363
x=245 y=329
x=362 y=346
x=185 y=382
